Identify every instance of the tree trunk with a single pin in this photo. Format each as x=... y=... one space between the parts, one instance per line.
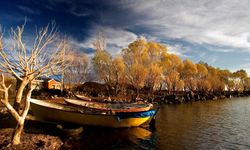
x=19 y=94
x=62 y=83
x=151 y=90
x=137 y=94
x=117 y=89
x=108 y=88
x=17 y=133
x=160 y=87
x=20 y=121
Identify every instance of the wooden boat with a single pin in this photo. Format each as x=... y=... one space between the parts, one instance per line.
x=85 y=98
x=82 y=97
x=53 y=112
x=114 y=107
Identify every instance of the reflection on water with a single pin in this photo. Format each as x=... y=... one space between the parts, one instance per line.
x=223 y=124
x=104 y=138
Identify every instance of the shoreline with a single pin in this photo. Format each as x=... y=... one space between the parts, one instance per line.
x=38 y=135
x=186 y=97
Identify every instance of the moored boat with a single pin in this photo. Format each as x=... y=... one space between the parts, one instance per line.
x=47 y=111
x=114 y=107
x=82 y=97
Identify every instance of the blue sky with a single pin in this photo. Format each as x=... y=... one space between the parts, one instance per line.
x=217 y=32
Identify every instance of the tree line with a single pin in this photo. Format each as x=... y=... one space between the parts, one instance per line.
x=149 y=65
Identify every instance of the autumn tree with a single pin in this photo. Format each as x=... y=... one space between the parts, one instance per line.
x=188 y=75
x=172 y=65
x=216 y=83
x=109 y=69
x=154 y=76
x=102 y=63
x=119 y=74
x=173 y=81
x=155 y=53
x=240 y=77
x=26 y=62
x=247 y=84
x=201 y=75
x=136 y=59
x=227 y=78
x=171 y=62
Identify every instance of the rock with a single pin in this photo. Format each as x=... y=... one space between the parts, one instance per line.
x=191 y=95
x=222 y=97
x=215 y=98
x=70 y=131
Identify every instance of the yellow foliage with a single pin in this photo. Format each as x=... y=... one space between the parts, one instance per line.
x=173 y=81
x=138 y=75
x=189 y=68
x=202 y=71
x=154 y=75
x=146 y=56
x=102 y=63
x=119 y=69
x=216 y=83
x=171 y=62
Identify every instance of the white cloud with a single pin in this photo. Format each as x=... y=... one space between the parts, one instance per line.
x=221 y=22
x=220 y=38
x=116 y=39
x=177 y=50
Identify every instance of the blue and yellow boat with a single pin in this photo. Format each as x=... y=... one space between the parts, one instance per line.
x=53 y=112
x=115 y=107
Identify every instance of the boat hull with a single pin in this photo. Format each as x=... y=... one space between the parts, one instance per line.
x=58 y=113
x=83 y=97
x=110 y=107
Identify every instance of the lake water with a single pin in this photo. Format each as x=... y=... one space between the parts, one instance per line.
x=221 y=124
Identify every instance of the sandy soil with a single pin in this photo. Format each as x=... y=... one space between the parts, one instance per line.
x=30 y=141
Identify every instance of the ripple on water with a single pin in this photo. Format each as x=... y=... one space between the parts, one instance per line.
x=223 y=124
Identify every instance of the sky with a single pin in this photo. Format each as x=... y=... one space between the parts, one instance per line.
x=213 y=31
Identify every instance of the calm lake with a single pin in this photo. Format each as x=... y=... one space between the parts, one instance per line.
x=221 y=124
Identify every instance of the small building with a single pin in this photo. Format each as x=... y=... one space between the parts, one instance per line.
x=52 y=84
x=46 y=83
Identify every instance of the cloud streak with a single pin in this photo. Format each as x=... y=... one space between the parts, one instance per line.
x=28 y=10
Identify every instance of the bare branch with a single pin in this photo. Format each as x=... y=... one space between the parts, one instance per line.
x=1 y=38
x=100 y=42
x=5 y=100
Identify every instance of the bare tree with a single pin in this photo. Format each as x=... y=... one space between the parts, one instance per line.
x=78 y=71
x=19 y=117
x=26 y=63
x=100 y=42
